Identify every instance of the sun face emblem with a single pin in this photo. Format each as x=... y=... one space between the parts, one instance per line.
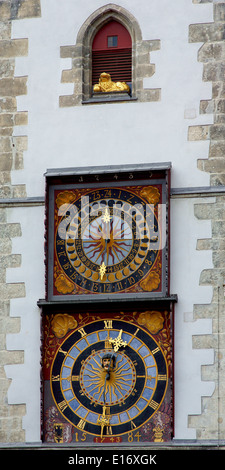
x=114 y=390
x=107 y=242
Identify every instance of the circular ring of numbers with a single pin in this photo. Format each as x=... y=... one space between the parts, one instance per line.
x=134 y=390
x=110 y=226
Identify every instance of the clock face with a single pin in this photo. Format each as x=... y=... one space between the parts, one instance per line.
x=110 y=377
x=108 y=241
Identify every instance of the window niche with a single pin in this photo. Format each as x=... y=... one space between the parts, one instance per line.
x=81 y=55
x=112 y=53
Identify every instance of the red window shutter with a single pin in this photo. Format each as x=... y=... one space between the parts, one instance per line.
x=117 y=61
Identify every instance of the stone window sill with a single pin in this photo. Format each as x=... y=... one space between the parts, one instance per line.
x=111 y=97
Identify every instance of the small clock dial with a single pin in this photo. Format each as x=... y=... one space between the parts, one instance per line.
x=103 y=388
x=108 y=242
x=119 y=385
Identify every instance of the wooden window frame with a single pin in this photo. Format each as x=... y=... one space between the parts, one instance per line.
x=112 y=40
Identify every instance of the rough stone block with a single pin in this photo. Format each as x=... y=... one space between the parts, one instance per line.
x=21 y=118
x=11 y=357
x=7 y=67
x=5 y=144
x=69 y=100
x=6 y=161
x=205 y=32
x=198 y=132
x=6 y=120
x=211 y=51
x=5 y=10
x=219 y=12
x=217 y=149
x=217 y=132
x=25 y=9
x=214 y=71
x=20 y=143
x=207 y=106
x=13 y=86
x=19 y=191
x=218 y=89
x=8 y=104
x=14 y=48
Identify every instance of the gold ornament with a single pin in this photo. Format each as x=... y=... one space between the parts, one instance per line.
x=152 y=320
x=102 y=270
x=66 y=197
x=61 y=323
x=106 y=85
x=103 y=421
x=63 y=285
x=106 y=217
x=151 y=282
x=151 y=194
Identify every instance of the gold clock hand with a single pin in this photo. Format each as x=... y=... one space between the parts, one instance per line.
x=106 y=217
x=102 y=270
x=118 y=342
x=102 y=420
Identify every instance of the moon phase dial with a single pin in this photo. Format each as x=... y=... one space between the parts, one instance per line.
x=92 y=384
x=107 y=242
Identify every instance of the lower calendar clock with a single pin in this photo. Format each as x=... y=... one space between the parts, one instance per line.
x=109 y=380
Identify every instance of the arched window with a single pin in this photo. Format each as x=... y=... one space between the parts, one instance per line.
x=110 y=41
x=112 y=53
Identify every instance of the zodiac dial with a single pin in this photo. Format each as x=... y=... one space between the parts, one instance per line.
x=109 y=378
x=108 y=242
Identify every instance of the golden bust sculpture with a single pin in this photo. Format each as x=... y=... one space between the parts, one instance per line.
x=106 y=85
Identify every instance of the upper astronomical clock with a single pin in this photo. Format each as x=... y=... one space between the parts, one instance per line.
x=107 y=232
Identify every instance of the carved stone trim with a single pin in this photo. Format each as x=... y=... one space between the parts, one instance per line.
x=81 y=55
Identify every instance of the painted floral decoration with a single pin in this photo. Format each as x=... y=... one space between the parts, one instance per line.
x=151 y=282
x=151 y=320
x=64 y=285
x=61 y=323
x=151 y=194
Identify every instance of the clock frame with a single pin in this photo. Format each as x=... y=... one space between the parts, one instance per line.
x=136 y=404
x=124 y=255
x=107 y=283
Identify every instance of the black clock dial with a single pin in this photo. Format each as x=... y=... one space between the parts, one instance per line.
x=135 y=387
x=113 y=229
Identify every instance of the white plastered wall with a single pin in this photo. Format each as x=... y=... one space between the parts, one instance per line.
x=26 y=386
x=113 y=134
x=186 y=267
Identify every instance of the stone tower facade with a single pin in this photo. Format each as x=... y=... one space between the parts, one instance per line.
x=203 y=322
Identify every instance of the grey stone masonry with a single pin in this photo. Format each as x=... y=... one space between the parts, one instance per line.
x=211 y=423
x=11 y=148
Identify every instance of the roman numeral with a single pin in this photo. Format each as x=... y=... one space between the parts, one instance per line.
x=155 y=350
x=55 y=378
x=82 y=332
x=109 y=430
x=153 y=404
x=62 y=405
x=81 y=424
